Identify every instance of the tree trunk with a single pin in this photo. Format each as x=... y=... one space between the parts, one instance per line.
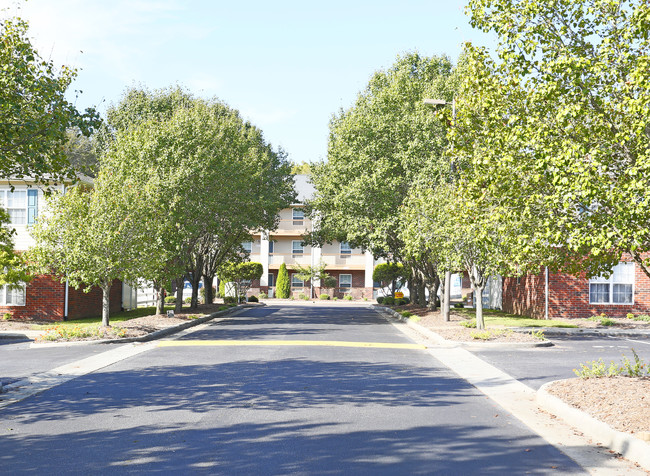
x=446 y=295
x=195 y=280
x=422 y=298
x=178 y=308
x=433 y=295
x=207 y=286
x=478 y=301
x=160 y=298
x=106 y=303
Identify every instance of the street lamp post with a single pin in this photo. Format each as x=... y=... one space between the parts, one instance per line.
x=446 y=298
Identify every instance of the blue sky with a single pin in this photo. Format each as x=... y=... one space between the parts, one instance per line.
x=286 y=65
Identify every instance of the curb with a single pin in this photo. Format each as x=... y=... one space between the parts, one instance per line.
x=577 y=332
x=147 y=337
x=438 y=339
x=627 y=445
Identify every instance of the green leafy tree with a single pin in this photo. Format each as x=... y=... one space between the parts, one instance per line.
x=34 y=114
x=376 y=149
x=315 y=273
x=303 y=168
x=283 y=285
x=558 y=129
x=241 y=275
x=13 y=268
x=392 y=274
x=85 y=242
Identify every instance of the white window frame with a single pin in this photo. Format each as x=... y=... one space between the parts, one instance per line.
x=5 y=292
x=345 y=285
x=345 y=248
x=300 y=216
x=293 y=286
x=619 y=277
x=297 y=251
x=29 y=207
x=248 y=246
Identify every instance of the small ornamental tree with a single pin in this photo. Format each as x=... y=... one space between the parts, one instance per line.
x=241 y=275
x=389 y=274
x=283 y=285
x=12 y=266
x=313 y=273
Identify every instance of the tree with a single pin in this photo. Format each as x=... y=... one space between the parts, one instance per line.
x=283 y=285
x=81 y=153
x=13 y=268
x=86 y=241
x=34 y=114
x=558 y=127
x=376 y=149
x=303 y=168
x=241 y=275
x=314 y=273
x=389 y=274
x=159 y=143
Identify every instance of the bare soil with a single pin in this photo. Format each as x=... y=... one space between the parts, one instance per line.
x=621 y=402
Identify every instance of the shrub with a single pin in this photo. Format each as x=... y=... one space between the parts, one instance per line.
x=538 y=334
x=459 y=305
x=469 y=323
x=347 y=297
x=253 y=299
x=406 y=300
x=230 y=299
x=6 y=316
x=302 y=296
x=406 y=313
x=335 y=299
x=187 y=300
x=264 y=296
x=642 y=317
x=480 y=335
x=389 y=300
x=597 y=368
x=170 y=299
x=325 y=297
x=630 y=315
x=283 y=285
x=401 y=301
x=380 y=299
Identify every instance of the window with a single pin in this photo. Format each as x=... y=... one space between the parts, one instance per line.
x=22 y=205
x=271 y=246
x=295 y=281
x=12 y=297
x=298 y=216
x=617 y=289
x=297 y=247
x=345 y=281
x=271 y=279
x=248 y=246
x=345 y=249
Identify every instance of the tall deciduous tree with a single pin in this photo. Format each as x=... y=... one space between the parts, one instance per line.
x=34 y=114
x=13 y=269
x=376 y=149
x=559 y=129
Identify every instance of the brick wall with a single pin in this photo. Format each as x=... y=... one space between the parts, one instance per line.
x=82 y=304
x=569 y=296
x=45 y=300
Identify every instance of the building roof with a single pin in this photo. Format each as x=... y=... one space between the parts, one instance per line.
x=304 y=188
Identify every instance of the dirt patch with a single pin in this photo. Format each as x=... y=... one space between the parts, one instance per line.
x=621 y=402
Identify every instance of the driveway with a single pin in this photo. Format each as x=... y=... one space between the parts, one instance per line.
x=274 y=390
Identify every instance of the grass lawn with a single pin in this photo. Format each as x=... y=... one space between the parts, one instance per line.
x=97 y=321
x=499 y=318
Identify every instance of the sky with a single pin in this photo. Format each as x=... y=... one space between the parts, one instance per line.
x=287 y=66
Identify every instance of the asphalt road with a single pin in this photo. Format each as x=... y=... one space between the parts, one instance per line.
x=535 y=367
x=237 y=398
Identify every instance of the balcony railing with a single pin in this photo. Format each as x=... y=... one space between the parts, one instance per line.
x=342 y=260
x=288 y=259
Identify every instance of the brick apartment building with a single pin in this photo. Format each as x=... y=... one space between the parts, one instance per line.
x=351 y=267
x=627 y=290
x=44 y=297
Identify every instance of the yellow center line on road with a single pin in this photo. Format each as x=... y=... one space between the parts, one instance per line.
x=316 y=343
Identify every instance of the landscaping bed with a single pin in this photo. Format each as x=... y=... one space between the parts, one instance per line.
x=122 y=325
x=621 y=402
x=500 y=324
